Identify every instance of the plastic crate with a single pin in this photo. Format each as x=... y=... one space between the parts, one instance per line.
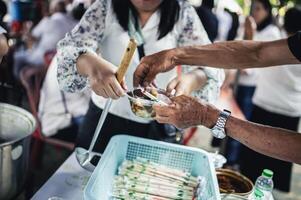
x=123 y=147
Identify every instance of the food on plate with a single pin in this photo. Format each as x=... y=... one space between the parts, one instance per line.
x=145 y=180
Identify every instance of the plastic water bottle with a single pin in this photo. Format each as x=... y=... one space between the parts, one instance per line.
x=264 y=183
x=257 y=195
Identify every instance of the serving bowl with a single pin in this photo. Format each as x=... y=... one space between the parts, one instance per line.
x=142 y=106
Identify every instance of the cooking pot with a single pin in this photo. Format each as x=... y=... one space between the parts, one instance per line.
x=233 y=182
x=16 y=127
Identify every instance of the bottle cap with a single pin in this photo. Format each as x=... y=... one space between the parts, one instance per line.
x=267 y=173
x=258 y=193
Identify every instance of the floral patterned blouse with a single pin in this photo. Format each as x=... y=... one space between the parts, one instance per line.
x=99 y=32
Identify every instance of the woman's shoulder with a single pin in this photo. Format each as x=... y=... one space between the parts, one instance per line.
x=271 y=32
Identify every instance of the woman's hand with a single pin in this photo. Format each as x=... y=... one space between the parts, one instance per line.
x=186 y=112
x=250 y=28
x=102 y=76
x=187 y=83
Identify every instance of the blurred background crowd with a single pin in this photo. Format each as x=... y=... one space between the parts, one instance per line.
x=28 y=72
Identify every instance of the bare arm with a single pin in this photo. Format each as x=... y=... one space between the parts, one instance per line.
x=228 y=55
x=275 y=142
x=237 y=54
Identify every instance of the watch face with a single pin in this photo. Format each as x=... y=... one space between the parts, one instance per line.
x=218 y=132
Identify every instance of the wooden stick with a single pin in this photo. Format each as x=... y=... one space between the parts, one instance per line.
x=126 y=59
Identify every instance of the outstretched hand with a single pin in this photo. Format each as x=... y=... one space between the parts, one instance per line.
x=186 y=112
x=152 y=65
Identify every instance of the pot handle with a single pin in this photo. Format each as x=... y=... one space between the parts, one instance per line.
x=17 y=152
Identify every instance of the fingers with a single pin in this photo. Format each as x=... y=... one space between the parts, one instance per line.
x=164 y=111
x=140 y=74
x=163 y=120
x=123 y=85
x=108 y=88
x=172 y=85
x=117 y=88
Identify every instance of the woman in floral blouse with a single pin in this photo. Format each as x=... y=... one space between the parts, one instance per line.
x=89 y=54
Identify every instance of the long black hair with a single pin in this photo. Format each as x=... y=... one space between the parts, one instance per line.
x=269 y=19
x=169 y=11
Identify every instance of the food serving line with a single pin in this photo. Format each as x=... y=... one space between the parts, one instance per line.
x=143 y=166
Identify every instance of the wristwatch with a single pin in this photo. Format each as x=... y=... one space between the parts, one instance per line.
x=218 y=130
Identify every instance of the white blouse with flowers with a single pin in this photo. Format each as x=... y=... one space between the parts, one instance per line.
x=99 y=32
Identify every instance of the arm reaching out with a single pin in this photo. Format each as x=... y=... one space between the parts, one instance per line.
x=275 y=142
x=228 y=55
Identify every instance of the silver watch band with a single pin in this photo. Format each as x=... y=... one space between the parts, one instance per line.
x=222 y=119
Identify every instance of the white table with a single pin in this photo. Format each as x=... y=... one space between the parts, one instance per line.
x=68 y=182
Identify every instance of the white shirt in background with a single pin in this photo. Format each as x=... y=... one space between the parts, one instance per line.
x=279 y=90
x=49 y=31
x=51 y=107
x=271 y=32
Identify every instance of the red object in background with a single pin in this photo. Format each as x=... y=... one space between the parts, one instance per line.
x=16 y=26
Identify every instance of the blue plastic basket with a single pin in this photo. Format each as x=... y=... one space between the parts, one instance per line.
x=123 y=147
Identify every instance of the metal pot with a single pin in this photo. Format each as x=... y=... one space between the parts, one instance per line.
x=16 y=127
x=243 y=186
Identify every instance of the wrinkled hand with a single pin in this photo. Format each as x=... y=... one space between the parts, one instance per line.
x=187 y=83
x=250 y=28
x=152 y=65
x=186 y=112
x=102 y=76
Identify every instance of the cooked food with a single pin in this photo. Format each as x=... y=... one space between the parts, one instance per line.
x=144 y=180
x=141 y=105
x=229 y=184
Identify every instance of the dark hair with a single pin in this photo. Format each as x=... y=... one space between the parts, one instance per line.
x=291 y=22
x=208 y=3
x=169 y=10
x=269 y=19
x=78 y=11
x=3 y=9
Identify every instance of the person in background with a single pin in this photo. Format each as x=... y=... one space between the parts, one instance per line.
x=89 y=54
x=45 y=35
x=187 y=111
x=208 y=18
x=3 y=12
x=63 y=121
x=3 y=43
x=259 y=26
x=277 y=102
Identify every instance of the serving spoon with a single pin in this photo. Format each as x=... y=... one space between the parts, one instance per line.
x=84 y=156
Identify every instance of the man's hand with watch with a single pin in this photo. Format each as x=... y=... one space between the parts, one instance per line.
x=188 y=111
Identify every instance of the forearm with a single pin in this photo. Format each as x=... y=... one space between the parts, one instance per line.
x=236 y=54
x=274 y=142
x=86 y=62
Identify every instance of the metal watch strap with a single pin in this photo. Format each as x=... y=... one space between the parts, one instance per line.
x=222 y=119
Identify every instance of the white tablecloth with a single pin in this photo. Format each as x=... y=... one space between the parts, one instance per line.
x=67 y=183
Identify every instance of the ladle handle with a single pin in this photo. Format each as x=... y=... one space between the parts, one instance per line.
x=124 y=65
x=126 y=59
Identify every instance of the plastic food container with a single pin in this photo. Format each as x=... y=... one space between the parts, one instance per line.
x=142 y=106
x=122 y=147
